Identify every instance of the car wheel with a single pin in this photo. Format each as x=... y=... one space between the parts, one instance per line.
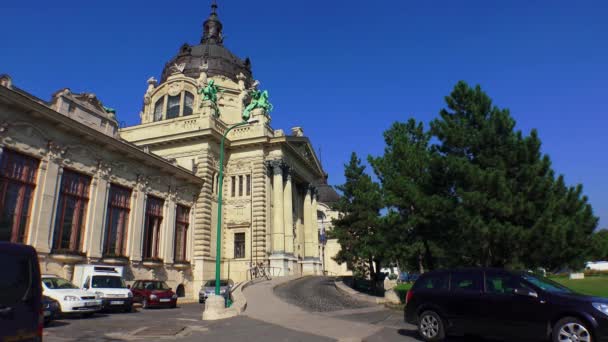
x=88 y=314
x=129 y=308
x=431 y=327
x=571 y=329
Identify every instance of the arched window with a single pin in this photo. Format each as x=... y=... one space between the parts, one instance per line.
x=158 y=109
x=173 y=107
x=188 y=103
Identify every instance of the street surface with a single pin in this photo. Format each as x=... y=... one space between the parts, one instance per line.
x=306 y=309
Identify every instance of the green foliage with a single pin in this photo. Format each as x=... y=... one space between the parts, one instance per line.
x=470 y=191
x=358 y=227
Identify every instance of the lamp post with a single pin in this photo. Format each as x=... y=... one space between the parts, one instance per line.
x=218 y=250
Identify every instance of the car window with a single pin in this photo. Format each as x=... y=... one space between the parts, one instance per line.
x=546 y=284
x=466 y=281
x=503 y=283
x=438 y=281
x=211 y=283
x=58 y=283
x=16 y=279
x=155 y=285
x=108 y=282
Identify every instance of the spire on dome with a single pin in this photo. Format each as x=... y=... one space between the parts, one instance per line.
x=212 y=27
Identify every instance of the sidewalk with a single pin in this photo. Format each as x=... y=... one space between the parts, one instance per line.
x=262 y=304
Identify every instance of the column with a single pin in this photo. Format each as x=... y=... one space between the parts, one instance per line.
x=43 y=207
x=315 y=230
x=168 y=236
x=308 y=264
x=278 y=226
x=97 y=218
x=288 y=217
x=136 y=227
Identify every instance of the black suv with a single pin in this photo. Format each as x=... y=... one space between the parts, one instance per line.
x=503 y=304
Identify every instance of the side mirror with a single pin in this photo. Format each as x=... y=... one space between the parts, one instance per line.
x=129 y=287
x=525 y=292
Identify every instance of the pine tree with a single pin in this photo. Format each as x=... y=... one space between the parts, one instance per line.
x=358 y=227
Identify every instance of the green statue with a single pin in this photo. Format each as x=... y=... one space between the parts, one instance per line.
x=259 y=99
x=109 y=110
x=210 y=94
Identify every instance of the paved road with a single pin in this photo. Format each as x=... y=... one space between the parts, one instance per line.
x=180 y=324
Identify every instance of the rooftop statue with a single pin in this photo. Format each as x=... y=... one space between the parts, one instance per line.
x=210 y=94
x=259 y=99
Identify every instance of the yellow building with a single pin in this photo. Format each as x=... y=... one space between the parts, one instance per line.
x=81 y=190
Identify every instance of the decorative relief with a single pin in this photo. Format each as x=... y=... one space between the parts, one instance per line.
x=175 y=88
x=104 y=169
x=55 y=151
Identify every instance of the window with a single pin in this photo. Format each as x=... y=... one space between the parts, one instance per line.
x=182 y=221
x=433 y=281
x=240 y=186
x=239 y=245
x=188 y=103
x=466 y=281
x=71 y=211
x=233 y=190
x=213 y=183
x=248 y=185
x=17 y=183
x=154 y=217
x=546 y=284
x=502 y=283
x=173 y=107
x=108 y=282
x=117 y=220
x=217 y=182
x=158 y=109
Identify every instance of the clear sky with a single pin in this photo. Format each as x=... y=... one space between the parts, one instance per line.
x=344 y=70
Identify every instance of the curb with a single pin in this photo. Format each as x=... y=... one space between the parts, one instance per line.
x=358 y=295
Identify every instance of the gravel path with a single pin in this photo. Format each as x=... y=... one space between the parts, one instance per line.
x=317 y=294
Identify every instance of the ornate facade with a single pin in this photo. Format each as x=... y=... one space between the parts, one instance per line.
x=146 y=196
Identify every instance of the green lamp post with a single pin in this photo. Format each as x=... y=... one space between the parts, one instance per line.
x=219 y=204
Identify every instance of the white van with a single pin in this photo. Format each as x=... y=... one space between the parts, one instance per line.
x=107 y=283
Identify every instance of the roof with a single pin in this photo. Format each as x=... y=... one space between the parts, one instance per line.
x=327 y=193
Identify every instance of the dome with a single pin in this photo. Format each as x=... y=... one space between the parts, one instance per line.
x=210 y=55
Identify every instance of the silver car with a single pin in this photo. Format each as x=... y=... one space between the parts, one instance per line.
x=208 y=289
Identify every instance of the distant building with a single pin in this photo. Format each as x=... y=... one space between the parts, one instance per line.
x=81 y=190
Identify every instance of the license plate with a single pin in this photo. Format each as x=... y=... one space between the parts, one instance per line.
x=164 y=300
x=90 y=304
x=117 y=302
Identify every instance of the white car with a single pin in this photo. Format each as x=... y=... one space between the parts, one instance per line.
x=71 y=299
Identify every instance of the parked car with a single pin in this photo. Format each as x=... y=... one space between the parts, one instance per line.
x=153 y=293
x=50 y=309
x=503 y=304
x=71 y=298
x=105 y=281
x=21 y=315
x=208 y=289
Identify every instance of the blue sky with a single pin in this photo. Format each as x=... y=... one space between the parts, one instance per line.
x=345 y=70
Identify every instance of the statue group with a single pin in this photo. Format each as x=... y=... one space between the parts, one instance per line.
x=259 y=99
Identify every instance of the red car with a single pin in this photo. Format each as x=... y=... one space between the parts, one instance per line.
x=153 y=293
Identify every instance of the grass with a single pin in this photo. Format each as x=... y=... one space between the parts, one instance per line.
x=593 y=286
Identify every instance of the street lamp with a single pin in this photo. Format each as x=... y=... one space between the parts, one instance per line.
x=218 y=250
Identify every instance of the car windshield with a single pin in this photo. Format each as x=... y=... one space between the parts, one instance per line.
x=58 y=283
x=211 y=283
x=154 y=285
x=108 y=282
x=546 y=284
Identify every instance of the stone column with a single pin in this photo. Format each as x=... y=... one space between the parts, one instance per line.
x=97 y=218
x=168 y=237
x=136 y=227
x=308 y=264
x=43 y=208
x=315 y=231
x=288 y=217
x=278 y=261
x=278 y=226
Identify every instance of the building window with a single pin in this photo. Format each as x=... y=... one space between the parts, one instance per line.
x=117 y=221
x=71 y=211
x=154 y=218
x=17 y=183
x=233 y=186
x=173 y=107
x=158 y=109
x=188 y=103
x=182 y=221
x=240 y=186
x=239 y=245
x=217 y=182
x=248 y=185
x=213 y=183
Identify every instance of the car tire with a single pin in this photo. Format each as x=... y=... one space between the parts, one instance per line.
x=571 y=326
x=129 y=308
x=144 y=303
x=431 y=327
x=88 y=315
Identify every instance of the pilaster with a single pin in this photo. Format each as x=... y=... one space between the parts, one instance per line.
x=278 y=226
x=138 y=213
x=168 y=235
x=96 y=225
x=308 y=224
